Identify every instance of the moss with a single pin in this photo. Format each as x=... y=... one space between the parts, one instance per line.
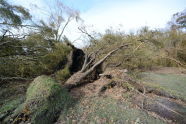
x=45 y=98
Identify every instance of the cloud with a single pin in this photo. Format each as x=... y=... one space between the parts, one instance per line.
x=132 y=16
x=103 y=14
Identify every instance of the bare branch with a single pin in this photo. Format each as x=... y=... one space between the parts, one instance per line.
x=85 y=62
x=20 y=58
x=3 y=35
x=174 y=60
x=89 y=35
x=68 y=21
x=11 y=35
x=90 y=62
x=91 y=57
x=1 y=44
x=20 y=25
x=104 y=58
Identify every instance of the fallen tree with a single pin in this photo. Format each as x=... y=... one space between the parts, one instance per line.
x=88 y=67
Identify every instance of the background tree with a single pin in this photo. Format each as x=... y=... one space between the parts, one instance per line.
x=12 y=18
x=12 y=14
x=26 y=55
x=178 y=20
x=57 y=20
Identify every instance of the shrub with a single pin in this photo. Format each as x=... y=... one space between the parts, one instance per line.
x=149 y=48
x=63 y=74
x=45 y=98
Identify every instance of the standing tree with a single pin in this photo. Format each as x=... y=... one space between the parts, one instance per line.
x=178 y=20
x=12 y=14
x=11 y=18
x=59 y=18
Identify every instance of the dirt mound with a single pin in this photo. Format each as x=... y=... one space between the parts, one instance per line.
x=100 y=85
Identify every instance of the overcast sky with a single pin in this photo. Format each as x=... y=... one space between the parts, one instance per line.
x=128 y=15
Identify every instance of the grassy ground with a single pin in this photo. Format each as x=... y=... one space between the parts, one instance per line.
x=12 y=95
x=106 y=110
x=174 y=84
x=113 y=108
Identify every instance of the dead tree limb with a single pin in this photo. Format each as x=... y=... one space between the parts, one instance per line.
x=63 y=29
x=2 y=38
x=85 y=62
x=19 y=25
x=84 y=31
x=77 y=78
x=89 y=59
x=14 y=79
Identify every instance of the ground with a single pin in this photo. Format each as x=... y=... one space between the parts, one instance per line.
x=114 y=99
x=12 y=94
x=171 y=80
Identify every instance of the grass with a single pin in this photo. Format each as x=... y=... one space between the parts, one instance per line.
x=106 y=110
x=12 y=94
x=9 y=106
x=45 y=98
x=172 y=83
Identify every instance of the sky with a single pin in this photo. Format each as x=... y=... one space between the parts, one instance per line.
x=125 y=15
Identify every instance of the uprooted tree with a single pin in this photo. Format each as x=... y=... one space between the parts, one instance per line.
x=88 y=67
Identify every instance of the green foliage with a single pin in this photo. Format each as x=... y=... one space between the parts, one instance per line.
x=63 y=74
x=149 y=48
x=9 y=49
x=9 y=106
x=31 y=57
x=178 y=20
x=59 y=54
x=13 y=14
x=12 y=94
